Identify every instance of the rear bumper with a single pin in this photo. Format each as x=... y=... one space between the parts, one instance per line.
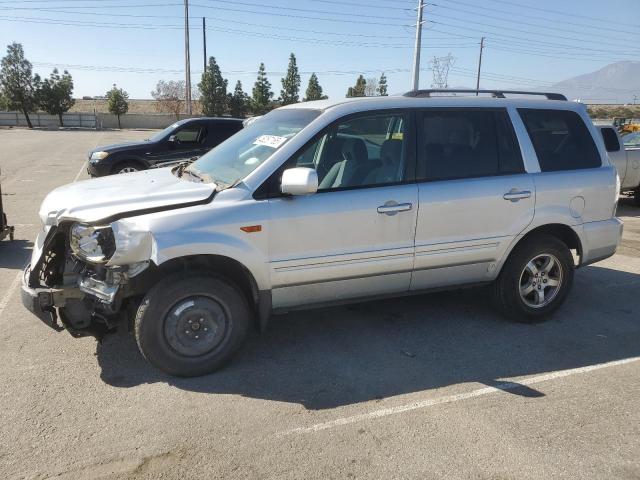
x=600 y=240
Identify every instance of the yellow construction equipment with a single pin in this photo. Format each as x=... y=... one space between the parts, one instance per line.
x=626 y=125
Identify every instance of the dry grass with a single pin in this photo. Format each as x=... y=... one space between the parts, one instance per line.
x=151 y=106
x=135 y=106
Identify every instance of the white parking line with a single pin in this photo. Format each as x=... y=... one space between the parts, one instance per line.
x=7 y=296
x=17 y=280
x=507 y=385
x=82 y=169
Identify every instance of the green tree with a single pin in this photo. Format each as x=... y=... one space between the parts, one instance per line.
x=359 y=89
x=314 y=90
x=55 y=94
x=18 y=85
x=213 y=90
x=117 y=103
x=261 y=92
x=382 y=85
x=291 y=83
x=238 y=102
x=4 y=104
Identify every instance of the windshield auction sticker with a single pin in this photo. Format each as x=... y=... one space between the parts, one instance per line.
x=273 y=141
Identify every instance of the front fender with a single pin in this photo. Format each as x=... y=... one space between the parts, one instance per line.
x=188 y=243
x=210 y=229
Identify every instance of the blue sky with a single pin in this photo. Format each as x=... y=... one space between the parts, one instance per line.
x=528 y=44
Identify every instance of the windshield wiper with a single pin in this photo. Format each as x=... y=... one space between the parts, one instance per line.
x=183 y=165
x=193 y=173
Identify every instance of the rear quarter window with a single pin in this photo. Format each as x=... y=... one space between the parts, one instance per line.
x=561 y=139
x=610 y=138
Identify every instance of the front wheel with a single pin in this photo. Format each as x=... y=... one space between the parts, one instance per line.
x=127 y=167
x=535 y=279
x=191 y=326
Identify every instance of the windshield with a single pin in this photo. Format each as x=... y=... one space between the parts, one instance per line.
x=241 y=154
x=163 y=133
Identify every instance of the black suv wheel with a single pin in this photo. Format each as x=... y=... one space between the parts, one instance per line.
x=191 y=326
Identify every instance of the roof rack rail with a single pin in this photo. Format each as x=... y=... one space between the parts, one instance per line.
x=494 y=93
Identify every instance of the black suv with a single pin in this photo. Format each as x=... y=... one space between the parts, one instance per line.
x=181 y=141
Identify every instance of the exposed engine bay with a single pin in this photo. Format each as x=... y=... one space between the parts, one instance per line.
x=88 y=298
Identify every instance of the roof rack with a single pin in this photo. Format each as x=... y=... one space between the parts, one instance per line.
x=494 y=93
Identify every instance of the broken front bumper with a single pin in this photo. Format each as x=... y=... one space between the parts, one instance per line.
x=42 y=302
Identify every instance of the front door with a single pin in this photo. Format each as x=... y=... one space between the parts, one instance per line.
x=187 y=141
x=354 y=237
x=474 y=195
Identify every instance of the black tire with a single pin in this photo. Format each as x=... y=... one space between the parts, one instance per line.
x=165 y=316
x=127 y=167
x=513 y=278
x=636 y=197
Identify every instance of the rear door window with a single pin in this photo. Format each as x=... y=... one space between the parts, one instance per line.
x=467 y=143
x=220 y=131
x=561 y=139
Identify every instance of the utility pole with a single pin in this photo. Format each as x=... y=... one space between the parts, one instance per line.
x=479 y=66
x=204 y=41
x=187 y=59
x=415 y=85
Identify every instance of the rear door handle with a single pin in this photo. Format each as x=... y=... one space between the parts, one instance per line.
x=391 y=208
x=514 y=195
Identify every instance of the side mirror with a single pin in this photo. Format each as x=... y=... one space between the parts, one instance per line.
x=299 y=181
x=173 y=139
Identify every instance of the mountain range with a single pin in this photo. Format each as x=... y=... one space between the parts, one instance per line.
x=616 y=83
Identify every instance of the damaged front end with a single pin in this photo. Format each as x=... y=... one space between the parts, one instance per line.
x=70 y=286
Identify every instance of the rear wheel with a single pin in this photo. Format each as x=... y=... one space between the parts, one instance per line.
x=191 y=326
x=636 y=197
x=127 y=167
x=535 y=279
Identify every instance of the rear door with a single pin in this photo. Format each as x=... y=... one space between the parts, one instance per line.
x=219 y=131
x=475 y=196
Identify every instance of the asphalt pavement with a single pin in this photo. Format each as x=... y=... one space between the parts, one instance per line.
x=431 y=386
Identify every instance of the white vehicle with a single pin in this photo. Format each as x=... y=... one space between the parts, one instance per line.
x=326 y=202
x=625 y=157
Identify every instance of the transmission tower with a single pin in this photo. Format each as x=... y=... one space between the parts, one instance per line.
x=440 y=67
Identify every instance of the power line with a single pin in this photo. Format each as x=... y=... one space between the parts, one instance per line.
x=322 y=41
x=243 y=11
x=572 y=14
x=521 y=31
x=548 y=55
x=520 y=21
x=518 y=39
x=295 y=9
x=518 y=17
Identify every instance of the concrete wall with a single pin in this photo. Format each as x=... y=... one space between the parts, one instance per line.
x=136 y=120
x=43 y=120
x=90 y=120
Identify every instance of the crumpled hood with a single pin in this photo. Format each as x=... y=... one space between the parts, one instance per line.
x=100 y=198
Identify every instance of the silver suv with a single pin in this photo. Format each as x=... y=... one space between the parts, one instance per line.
x=327 y=202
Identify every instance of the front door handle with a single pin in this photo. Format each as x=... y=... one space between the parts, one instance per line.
x=514 y=195
x=391 y=208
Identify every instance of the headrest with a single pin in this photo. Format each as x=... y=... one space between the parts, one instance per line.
x=391 y=151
